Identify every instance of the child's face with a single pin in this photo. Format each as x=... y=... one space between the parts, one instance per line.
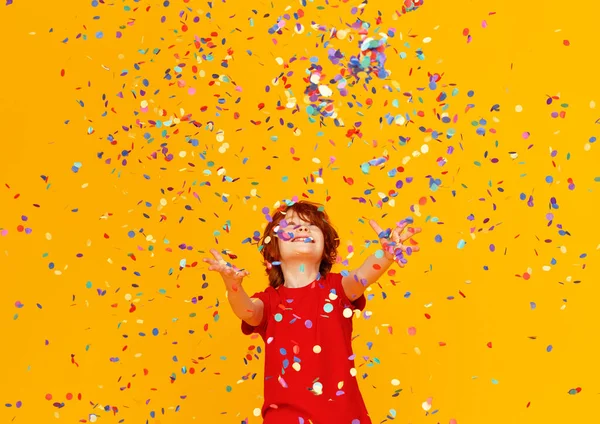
x=310 y=249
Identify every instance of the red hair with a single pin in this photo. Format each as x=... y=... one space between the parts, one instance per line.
x=310 y=212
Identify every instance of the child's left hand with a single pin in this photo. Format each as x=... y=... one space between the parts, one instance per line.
x=393 y=250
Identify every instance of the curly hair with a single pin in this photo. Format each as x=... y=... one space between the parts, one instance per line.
x=308 y=211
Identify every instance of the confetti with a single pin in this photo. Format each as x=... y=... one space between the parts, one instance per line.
x=193 y=119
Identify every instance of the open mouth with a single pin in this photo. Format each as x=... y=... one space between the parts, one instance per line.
x=303 y=240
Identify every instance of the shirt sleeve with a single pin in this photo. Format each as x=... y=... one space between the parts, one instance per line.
x=261 y=328
x=358 y=303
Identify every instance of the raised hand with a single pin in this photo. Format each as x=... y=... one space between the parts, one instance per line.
x=392 y=241
x=232 y=276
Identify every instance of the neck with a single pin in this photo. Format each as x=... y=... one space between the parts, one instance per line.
x=299 y=273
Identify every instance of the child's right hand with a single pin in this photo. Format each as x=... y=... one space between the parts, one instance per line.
x=230 y=274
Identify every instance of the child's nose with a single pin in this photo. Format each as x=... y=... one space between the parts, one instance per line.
x=301 y=231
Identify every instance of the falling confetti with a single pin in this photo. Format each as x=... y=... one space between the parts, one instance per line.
x=163 y=130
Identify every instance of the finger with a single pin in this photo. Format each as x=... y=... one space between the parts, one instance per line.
x=242 y=274
x=402 y=224
x=216 y=267
x=410 y=249
x=213 y=265
x=396 y=234
x=377 y=229
x=375 y=226
x=216 y=254
x=411 y=232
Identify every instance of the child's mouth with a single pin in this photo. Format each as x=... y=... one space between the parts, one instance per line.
x=303 y=240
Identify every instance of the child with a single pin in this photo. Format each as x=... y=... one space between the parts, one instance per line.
x=305 y=315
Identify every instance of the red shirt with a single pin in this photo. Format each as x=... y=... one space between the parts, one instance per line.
x=308 y=354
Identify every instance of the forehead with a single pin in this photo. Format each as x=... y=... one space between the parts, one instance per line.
x=292 y=215
x=294 y=218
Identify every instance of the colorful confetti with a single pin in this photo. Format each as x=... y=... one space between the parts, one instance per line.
x=142 y=135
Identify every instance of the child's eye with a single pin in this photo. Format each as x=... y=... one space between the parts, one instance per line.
x=297 y=225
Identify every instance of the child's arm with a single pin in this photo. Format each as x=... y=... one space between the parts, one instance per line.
x=244 y=307
x=357 y=281
x=369 y=272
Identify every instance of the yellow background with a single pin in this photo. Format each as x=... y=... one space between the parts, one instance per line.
x=518 y=59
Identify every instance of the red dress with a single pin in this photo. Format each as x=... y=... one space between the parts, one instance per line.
x=307 y=333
